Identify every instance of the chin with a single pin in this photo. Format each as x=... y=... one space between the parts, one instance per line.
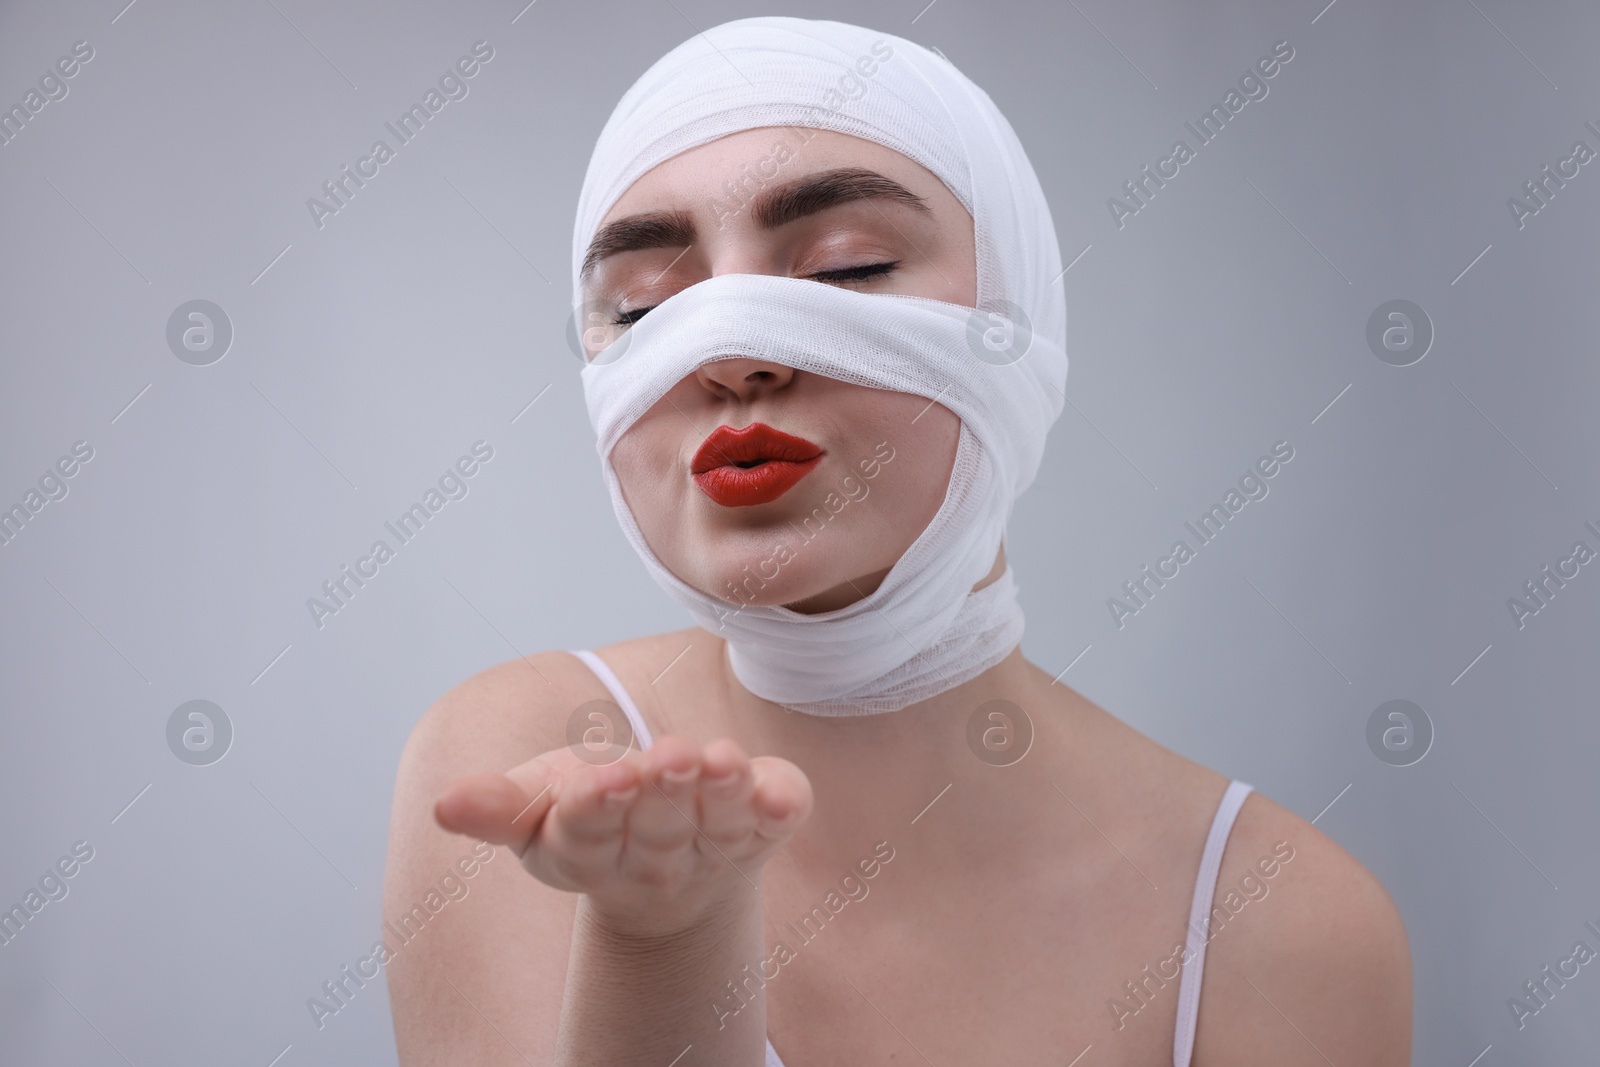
x=756 y=585
x=771 y=565
x=808 y=582
x=768 y=572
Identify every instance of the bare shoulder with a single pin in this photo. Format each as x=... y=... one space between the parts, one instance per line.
x=508 y=704
x=507 y=713
x=1307 y=959
x=668 y=676
x=475 y=948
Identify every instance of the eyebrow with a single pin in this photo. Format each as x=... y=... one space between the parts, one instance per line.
x=771 y=209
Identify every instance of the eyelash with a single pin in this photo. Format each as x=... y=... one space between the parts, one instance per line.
x=846 y=274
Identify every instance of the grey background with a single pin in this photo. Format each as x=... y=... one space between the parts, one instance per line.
x=1228 y=314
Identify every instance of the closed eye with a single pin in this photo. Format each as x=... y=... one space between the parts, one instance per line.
x=856 y=274
x=846 y=275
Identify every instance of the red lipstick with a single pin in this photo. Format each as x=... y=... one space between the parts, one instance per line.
x=755 y=465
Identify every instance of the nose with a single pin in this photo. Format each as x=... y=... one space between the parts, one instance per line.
x=743 y=378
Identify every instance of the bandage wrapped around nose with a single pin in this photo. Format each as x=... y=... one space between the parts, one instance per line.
x=1000 y=367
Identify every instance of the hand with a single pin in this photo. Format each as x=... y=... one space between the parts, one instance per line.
x=654 y=838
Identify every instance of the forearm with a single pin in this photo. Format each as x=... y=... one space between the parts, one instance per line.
x=644 y=996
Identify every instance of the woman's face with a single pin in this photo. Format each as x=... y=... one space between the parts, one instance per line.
x=803 y=203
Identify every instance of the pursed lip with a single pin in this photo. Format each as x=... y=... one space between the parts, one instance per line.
x=753 y=465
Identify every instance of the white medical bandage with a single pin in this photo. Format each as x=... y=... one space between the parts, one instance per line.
x=923 y=630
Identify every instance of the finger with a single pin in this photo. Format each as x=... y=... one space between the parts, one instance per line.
x=726 y=787
x=491 y=807
x=782 y=798
x=665 y=816
x=505 y=809
x=592 y=805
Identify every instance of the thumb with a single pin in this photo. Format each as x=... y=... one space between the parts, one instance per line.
x=501 y=808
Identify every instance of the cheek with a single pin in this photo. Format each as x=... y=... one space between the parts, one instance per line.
x=924 y=438
x=910 y=486
x=933 y=455
x=646 y=460
x=633 y=460
x=649 y=448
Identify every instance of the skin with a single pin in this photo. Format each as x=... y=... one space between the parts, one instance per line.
x=1019 y=899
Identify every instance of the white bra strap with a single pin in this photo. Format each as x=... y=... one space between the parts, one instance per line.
x=609 y=679
x=1205 y=885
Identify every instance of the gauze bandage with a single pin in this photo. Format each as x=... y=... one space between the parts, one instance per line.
x=1000 y=367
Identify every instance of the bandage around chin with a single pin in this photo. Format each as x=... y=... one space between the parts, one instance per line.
x=923 y=630
x=1001 y=370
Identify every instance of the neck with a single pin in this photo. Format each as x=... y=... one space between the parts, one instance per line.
x=873 y=774
x=847 y=593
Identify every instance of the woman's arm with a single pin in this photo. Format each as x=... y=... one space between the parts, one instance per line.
x=596 y=934
x=646 y=998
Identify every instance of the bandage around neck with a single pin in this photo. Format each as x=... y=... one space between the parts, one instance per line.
x=1000 y=367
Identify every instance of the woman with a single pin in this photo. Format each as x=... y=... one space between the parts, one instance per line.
x=824 y=338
